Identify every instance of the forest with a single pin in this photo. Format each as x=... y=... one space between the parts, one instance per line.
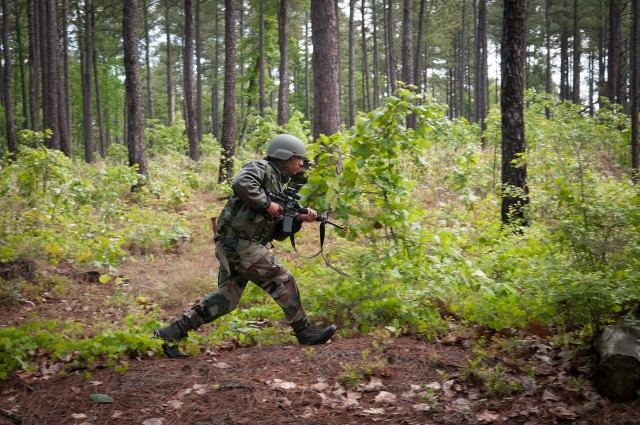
x=483 y=154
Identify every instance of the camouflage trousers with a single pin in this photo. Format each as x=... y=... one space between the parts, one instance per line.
x=242 y=261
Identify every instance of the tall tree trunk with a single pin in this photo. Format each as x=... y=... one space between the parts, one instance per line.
x=50 y=74
x=366 y=90
x=198 y=38
x=407 y=51
x=307 y=73
x=417 y=63
x=577 y=51
x=34 y=64
x=101 y=131
x=229 y=110
x=635 y=89
x=23 y=82
x=564 y=54
x=262 y=60
x=147 y=60
x=215 y=97
x=326 y=68
x=87 y=69
x=376 y=60
x=133 y=91
x=615 y=83
x=66 y=71
x=481 y=77
x=12 y=144
x=352 y=65
x=515 y=195
x=283 y=42
x=547 y=20
x=390 y=49
x=461 y=62
x=171 y=101
x=190 y=109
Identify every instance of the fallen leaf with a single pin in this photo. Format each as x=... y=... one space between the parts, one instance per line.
x=279 y=384
x=101 y=398
x=373 y=385
x=117 y=414
x=79 y=416
x=549 y=396
x=487 y=416
x=222 y=365
x=386 y=397
x=320 y=386
x=374 y=411
x=421 y=407
x=175 y=404
x=562 y=412
x=153 y=421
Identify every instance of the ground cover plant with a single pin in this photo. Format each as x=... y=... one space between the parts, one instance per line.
x=426 y=260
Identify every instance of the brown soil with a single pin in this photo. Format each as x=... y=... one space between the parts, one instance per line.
x=351 y=380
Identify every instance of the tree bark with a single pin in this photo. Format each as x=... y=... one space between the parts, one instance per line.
x=407 y=51
x=23 y=82
x=635 y=90
x=390 y=49
x=482 y=79
x=198 y=40
x=547 y=19
x=171 y=106
x=147 y=60
x=617 y=375
x=326 y=68
x=187 y=57
x=376 y=61
x=577 y=50
x=215 y=97
x=615 y=82
x=87 y=69
x=514 y=171
x=366 y=91
x=34 y=65
x=50 y=75
x=352 y=65
x=12 y=144
x=283 y=42
x=66 y=72
x=101 y=124
x=133 y=91
x=229 y=110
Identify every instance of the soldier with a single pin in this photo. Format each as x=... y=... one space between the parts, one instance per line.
x=248 y=222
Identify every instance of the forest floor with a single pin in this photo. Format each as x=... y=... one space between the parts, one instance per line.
x=358 y=379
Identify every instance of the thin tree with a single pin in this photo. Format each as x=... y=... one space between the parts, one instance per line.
x=481 y=91
x=12 y=144
x=171 y=102
x=283 y=42
x=376 y=61
x=187 y=57
x=635 y=89
x=34 y=64
x=352 y=65
x=215 y=97
x=515 y=193
x=326 y=68
x=418 y=58
x=133 y=92
x=389 y=48
x=101 y=124
x=615 y=82
x=547 y=20
x=66 y=87
x=461 y=61
x=87 y=94
x=577 y=51
x=229 y=124
x=198 y=40
x=50 y=61
x=147 y=60
x=307 y=69
x=366 y=92
x=407 y=51
x=21 y=62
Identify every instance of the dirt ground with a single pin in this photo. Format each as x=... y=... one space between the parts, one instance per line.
x=351 y=380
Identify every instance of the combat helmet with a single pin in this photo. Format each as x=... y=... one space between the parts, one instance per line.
x=284 y=146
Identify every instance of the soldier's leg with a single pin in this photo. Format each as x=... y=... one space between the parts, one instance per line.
x=220 y=302
x=274 y=278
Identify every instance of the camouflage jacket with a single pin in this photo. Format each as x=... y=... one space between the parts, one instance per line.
x=244 y=216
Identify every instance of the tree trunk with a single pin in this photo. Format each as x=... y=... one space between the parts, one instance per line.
x=262 y=60
x=635 y=90
x=215 y=97
x=564 y=55
x=198 y=39
x=326 y=68
x=87 y=69
x=407 y=51
x=23 y=82
x=376 y=60
x=283 y=42
x=617 y=375
x=390 y=49
x=12 y=144
x=229 y=110
x=50 y=80
x=577 y=50
x=171 y=102
x=514 y=171
x=461 y=62
x=34 y=64
x=147 y=60
x=417 y=63
x=66 y=77
x=615 y=83
x=547 y=19
x=307 y=73
x=103 y=137
x=190 y=110
x=352 y=65
x=482 y=79
x=133 y=91
x=366 y=91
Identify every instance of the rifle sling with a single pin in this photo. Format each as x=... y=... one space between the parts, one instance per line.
x=322 y=232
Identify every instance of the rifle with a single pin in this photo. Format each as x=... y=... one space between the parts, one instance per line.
x=289 y=200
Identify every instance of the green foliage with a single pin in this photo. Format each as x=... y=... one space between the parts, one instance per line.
x=20 y=347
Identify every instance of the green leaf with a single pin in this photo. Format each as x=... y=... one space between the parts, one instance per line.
x=101 y=398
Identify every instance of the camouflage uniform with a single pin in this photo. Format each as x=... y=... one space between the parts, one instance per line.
x=242 y=233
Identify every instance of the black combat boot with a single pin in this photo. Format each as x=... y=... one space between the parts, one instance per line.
x=178 y=330
x=308 y=334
